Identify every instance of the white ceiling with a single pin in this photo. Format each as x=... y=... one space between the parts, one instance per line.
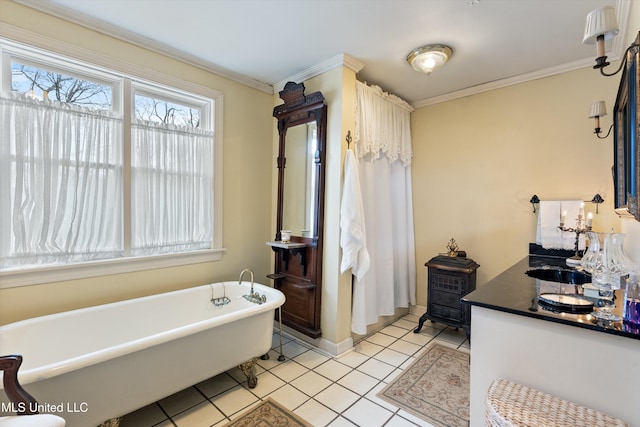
x=266 y=42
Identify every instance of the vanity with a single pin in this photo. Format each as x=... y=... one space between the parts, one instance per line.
x=570 y=355
x=302 y=122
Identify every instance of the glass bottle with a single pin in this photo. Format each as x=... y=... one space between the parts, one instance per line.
x=631 y=309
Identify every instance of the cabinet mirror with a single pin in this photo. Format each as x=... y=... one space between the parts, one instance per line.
x=299 y=202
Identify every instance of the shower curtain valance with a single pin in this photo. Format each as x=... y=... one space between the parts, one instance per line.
x=390 y=135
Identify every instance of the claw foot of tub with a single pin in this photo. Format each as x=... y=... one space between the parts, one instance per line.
x=113 y=422
x=248 y=368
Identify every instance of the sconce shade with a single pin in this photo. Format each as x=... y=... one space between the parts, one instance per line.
x=598 y=109
x=600 y=22
x=427 y=59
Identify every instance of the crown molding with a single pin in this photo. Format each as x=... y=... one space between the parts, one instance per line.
x=623 y=9
x=140 y=41
x=340 y=60
x=498 y=84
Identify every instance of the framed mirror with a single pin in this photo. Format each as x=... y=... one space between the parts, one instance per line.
x=302 y=140
x=626 y=138
x=299 y=203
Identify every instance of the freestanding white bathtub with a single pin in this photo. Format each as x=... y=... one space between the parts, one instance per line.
x=97 y=363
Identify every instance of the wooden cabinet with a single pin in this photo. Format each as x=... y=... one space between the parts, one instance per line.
x=449 y=279
x=302 y=124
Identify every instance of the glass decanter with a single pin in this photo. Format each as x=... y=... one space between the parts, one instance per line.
x=593 y=252
x=610 y=269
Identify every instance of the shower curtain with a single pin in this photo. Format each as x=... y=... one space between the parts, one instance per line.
x=383 y=149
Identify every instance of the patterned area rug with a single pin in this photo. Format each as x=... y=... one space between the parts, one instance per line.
x=267 y=414
x=435 y=387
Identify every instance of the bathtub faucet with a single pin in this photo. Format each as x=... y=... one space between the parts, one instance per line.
x=246 y=270
x=252 y=296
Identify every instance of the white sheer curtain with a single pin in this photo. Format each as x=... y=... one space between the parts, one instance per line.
x=171 y=192
x=60 y=182
x=383 y=149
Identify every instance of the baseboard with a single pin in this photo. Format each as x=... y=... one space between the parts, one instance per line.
x=329 y=348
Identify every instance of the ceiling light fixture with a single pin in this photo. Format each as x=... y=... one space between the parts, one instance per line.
x=602 y=25
x=427 y=59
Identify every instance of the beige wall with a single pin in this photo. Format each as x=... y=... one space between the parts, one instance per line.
x=479 y=159
x=246 y=192
x=338 y=88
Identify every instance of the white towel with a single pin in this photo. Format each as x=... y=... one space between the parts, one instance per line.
x=352 y=232
x=548 y=234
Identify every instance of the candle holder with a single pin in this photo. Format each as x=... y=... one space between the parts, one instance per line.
x=580 y=228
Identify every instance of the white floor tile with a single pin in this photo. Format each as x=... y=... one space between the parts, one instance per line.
x=342 y=422
x=368 y=348
x=391 y=357
x=415 y=420
x=366 y=413
x=216 y=385
x=337 y=398
x=234 y=400
x=452 y=336
x=376 y=368
x=315 y=413
x=181 y=401
x=311 y=383
x=202 y=415
x=380 y=339
x=353 y=359
x=289 y=397
x=310 y=359
x=293 y=349
x=413 y=317
x=289 y=370
x=166 y=423
x=267 y=383
x=420 y=338
x=405 y=347
x=405 y=324
x=394 y=331
x=358 y=382
x=398 y=421
x=333 y=369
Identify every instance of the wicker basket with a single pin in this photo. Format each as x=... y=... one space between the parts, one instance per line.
x=510 y=404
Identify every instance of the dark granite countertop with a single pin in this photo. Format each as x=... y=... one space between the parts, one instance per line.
x=514 y=292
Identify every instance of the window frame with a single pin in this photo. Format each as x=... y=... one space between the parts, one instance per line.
x=125 y=79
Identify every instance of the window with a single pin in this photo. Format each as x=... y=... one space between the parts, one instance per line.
x=98 y=167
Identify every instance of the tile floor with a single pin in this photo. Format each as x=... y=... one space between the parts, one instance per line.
x=324 y=390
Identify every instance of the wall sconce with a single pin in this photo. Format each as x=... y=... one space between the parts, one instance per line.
x=427 y=59
x=602 y=25
x=599 y=109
